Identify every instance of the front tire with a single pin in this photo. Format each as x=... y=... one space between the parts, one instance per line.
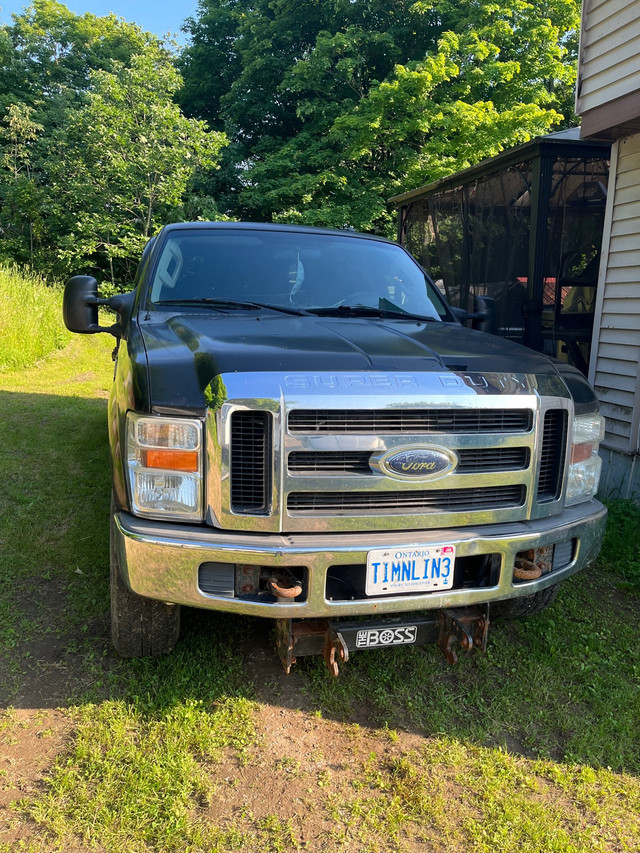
x=140 y=627
x=527 y=605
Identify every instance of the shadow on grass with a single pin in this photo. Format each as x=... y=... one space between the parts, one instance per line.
x=563 y=685
x=55 y=649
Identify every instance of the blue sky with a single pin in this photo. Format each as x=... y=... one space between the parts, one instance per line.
x=156 y=16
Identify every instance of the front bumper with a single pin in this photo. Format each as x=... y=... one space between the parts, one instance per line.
x=162 y=561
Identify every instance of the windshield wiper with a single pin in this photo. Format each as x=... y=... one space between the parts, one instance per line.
x=368 y=311
x=232 y=303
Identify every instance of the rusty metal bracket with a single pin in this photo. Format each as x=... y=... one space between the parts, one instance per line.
x=310 y=637
x=284 y=644
x=304 y=637
x=334 y=647
x=466 y=626
x=469 y=627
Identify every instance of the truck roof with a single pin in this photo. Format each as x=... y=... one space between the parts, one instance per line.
x=271 y=226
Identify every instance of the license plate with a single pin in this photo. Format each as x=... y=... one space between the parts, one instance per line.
x=399 y=570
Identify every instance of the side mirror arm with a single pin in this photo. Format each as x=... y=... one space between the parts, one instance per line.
x=119 y=303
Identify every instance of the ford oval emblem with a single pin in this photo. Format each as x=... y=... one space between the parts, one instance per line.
x=419 y=462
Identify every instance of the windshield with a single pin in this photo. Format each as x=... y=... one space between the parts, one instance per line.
x=289 y=269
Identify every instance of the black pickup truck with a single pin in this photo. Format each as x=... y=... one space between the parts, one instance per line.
x=302 y=429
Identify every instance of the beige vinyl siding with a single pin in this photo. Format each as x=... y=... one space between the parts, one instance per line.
x=609 y=65
x=616 y=348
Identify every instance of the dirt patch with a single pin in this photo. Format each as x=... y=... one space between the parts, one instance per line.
x=30 y=741
x=87 y=376
x=47 y=669
x=39 y=679
x=301 y=769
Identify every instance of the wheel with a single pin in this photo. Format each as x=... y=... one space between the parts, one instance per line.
x=527 y=605
x=140 y=627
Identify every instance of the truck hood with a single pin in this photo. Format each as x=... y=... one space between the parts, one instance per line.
x=186 y=351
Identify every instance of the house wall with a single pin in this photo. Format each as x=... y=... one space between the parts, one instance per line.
x=615 y=354
x=609 y=62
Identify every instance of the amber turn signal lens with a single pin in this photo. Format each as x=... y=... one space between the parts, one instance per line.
x=172 y=460
x=581 y=452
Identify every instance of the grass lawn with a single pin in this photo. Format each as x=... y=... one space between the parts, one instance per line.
x=534 y=746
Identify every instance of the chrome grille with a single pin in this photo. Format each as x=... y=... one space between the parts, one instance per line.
x=332 y=462
x=250 y=462
x=286 y=454
x=357 y=462
x=551 y=470
x=409 y=421
x=435 y=500
x=493 y=459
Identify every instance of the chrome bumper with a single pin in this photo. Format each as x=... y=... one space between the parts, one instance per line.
x=161 y=561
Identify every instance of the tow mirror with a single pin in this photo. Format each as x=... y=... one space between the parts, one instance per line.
x=80 y=307
x=486 y=315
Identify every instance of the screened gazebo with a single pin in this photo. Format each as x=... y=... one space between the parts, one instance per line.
x=524 y=228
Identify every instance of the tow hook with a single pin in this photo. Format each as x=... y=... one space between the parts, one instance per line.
x=284 y=587
x=532 y=564
x=334 y=646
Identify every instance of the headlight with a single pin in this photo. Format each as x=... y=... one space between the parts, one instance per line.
x=164 y=460
x=585 y=464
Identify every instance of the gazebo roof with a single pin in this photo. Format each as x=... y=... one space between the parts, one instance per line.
x=562 y=143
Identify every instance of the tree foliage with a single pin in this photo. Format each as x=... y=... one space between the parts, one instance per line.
x=95 y=153
x=126 y=160
x=334 y=106
x=319 y=112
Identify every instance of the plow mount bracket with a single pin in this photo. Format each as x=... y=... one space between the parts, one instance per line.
x=466 y=627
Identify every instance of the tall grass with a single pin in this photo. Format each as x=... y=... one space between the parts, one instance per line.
x=30 y=319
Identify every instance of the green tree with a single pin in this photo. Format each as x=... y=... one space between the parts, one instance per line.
x=46 y=57
x=94 y=152
x=20 y=196
x=48 y=53
x=368 y=98
x=240 y=71
x=125 y=161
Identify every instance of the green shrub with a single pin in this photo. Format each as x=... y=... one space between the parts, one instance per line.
x=31 y=324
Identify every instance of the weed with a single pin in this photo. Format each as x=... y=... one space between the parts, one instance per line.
x=289 y=765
